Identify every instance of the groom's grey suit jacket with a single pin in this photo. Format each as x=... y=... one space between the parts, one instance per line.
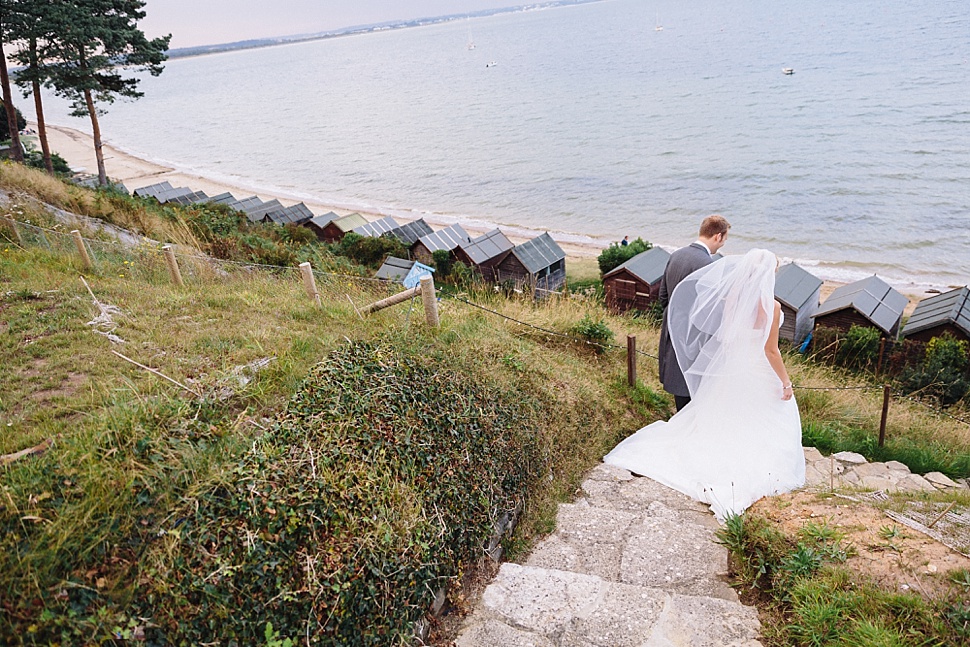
x=681 y=263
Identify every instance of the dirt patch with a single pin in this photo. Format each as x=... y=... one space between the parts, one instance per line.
x=66 y=389
x=888 y=553
x=462 y=600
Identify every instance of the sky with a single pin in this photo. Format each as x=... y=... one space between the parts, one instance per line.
x=209 y=22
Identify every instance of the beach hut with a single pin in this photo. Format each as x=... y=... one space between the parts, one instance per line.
x=262 y=212
x=948 y=312
x=403 y=271
x=634 y=285
x=448 y=239
x=869 y=303
x=222 y=198
x=394 y=269
x=296 y=214
x=153 y=190
x=485 y=252
x=539 y=262
x=189 y=198
x=245 y=204
x=799 y=292
x=410 y=232
x=377 y=228
x=170 y=194
x=331 y=228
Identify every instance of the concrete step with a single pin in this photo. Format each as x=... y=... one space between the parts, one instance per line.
x=541 y=607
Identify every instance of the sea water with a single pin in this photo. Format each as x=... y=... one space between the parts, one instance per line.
x=590 y=122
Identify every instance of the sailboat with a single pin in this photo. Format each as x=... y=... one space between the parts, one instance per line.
x=659 y=27
x=471 y=43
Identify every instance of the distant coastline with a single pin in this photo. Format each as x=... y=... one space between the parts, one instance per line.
x=203 y=50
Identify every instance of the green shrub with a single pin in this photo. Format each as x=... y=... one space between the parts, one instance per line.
x=383 y=476
x=370 y=251
x=594 y=331
x=859 y=348
x=617 y=254
x=943 y=372
x=35 y=159
x=442 y=261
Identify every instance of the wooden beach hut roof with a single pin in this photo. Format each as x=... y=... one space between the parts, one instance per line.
x=262 y=212
x=153 y=190
x=349 y=222
x=377 y=227
x=647 y=266
x=539 y=253
x=448 y=238
x=872 y=298
x=189 y=198
x=794 y=286
x=410 y=232
x=951 y=308
x=296 y=214
x=319 y=222
x=245 y=204
x=394 y=269
x=166 y=196
x=487 y=246
x=222 y=198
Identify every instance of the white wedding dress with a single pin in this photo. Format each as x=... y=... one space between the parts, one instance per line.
x=736 y=441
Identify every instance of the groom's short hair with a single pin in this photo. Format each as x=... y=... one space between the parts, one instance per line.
x=713 y=225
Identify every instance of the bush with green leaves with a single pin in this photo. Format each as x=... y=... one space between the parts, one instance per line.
x=943 y=374
x=617 y=254
x=369 y=251
x=594 y=331
x=859 y=348
x=383 y=476
x=35 y=159
x=4 y=128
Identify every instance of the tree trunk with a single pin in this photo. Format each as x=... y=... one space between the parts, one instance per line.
x=39 y=106
x=18 y=151
x=96 y=132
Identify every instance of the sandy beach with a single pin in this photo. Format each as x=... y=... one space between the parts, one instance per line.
x=78 y=149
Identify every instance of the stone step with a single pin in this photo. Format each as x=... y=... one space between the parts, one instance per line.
x=541 y=607
x=661 y=547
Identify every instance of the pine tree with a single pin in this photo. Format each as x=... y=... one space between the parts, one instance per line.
x=6 y=8
x=93 y=43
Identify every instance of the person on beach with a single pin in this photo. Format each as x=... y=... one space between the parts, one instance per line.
x=712 y=236
x=625 y=241
x=739 y=438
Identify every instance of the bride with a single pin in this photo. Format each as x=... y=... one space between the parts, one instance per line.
x=739 y=438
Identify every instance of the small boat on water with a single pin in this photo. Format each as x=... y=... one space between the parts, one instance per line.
x=788 y=70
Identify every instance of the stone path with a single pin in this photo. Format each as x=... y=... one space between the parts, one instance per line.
x=633 y=563
x=851 y=470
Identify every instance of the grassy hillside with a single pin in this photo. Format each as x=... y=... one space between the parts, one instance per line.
x=303 y=470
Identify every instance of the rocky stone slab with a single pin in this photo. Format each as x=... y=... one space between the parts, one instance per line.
x=850 y=458
x=492 y=633
x=558 y=553
x=941 y=480
x=667 y=553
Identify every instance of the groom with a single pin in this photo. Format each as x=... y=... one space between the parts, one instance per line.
x=713 y=233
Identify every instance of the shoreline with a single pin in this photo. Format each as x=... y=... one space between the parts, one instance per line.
x=77 y=148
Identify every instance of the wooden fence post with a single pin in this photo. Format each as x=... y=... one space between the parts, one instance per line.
x=886 y=391
x=310 y=283
x=82 y=250
x=430 y=301
x=173 y=265
x=631 y=360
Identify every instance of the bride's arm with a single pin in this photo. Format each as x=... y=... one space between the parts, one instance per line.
x=774 y=355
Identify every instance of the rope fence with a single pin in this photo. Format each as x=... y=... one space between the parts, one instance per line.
x=153 y=262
